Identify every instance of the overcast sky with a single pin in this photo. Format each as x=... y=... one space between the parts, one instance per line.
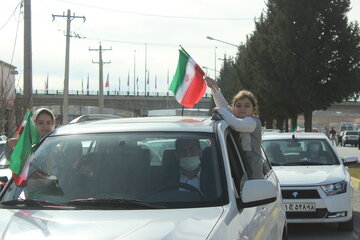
x=126 y=27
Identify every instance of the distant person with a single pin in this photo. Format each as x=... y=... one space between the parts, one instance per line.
x=241 y=116
x=327 y=132
x=333 y=136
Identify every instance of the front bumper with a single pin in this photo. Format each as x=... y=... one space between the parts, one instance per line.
x=336 y=208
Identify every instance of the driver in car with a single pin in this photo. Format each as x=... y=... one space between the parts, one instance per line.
x=315 y=153
x=189 y=152
x=190 y=168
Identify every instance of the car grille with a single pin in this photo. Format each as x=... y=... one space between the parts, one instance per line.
x=300 y=194
x=320 y=213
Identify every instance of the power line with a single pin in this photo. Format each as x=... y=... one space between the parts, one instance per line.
x=158 y=15
x=7 y=21
x=156 y=43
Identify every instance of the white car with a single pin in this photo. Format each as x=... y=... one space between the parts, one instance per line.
x=97 y=180
x=2 y=145
x=5 y=172
x=315 y=183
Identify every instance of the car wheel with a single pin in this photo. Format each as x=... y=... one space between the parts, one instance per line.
x=347 y=226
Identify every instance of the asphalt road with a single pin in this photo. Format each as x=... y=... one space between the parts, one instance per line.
x=330 y=231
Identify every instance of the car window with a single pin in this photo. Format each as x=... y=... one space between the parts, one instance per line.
x=141 y=166
x=239 y=169
x=299 y=152
x=266 y=163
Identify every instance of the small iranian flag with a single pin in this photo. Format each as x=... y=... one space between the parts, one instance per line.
x=297 y=129
x=19 y=159
x=188 y=84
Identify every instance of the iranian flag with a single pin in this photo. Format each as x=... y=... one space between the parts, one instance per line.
x=297 y=129
x=19 y=159
x=188 y=84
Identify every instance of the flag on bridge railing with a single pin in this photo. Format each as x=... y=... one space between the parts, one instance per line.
x=107 y=81
x=47 y=82
x=188 y=84
x=87 y=87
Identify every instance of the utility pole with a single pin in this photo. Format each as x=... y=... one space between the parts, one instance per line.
x=145 y=67
x=27 y=56
x=134 y=71
x=101 y=80
x=69 y=18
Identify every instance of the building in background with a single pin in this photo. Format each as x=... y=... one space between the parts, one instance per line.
x=7 y=98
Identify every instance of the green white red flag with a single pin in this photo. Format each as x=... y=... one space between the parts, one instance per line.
x=297 y=129
x=19 y=159
x=188 y=84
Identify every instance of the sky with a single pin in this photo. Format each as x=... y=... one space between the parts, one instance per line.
x=138 y=33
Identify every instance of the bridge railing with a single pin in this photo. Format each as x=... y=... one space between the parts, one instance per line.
x=106 y=93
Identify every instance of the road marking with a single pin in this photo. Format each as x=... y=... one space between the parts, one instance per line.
x=356 y=183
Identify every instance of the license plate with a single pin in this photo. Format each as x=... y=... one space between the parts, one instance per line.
x=300 y=207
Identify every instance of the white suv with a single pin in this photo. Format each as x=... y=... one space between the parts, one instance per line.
x=315 y=183
x=101 y=180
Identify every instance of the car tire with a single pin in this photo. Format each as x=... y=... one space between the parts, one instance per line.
x=347 y=226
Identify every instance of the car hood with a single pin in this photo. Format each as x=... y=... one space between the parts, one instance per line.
x=309 y=175
x=109 y=224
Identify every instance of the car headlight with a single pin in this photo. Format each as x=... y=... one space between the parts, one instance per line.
x=335 y=188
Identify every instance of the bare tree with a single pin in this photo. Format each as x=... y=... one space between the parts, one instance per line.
x=7 y=98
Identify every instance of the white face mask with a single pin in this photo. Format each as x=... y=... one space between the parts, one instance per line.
x=189 y=163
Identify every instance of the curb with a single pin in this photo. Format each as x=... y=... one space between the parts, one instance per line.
x=356 y=183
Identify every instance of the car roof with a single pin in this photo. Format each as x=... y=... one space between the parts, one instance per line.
x=148 y=124
x=289 y=135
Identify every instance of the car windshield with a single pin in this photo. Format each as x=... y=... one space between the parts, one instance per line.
x=292 y=152
x=132 y=166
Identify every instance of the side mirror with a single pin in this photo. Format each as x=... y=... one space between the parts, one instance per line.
x=257 y=192
x=350 y=160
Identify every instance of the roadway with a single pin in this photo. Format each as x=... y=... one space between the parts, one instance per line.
x=329 y=231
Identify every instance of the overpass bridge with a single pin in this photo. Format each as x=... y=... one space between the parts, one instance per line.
x=138 y=104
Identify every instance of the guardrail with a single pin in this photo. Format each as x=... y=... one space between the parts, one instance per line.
x=106 y=93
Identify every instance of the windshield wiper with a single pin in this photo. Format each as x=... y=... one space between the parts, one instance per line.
x=32 y=203
x=115 y=202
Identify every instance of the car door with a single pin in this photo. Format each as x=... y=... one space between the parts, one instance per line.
x=273 y=212
x=250 y=219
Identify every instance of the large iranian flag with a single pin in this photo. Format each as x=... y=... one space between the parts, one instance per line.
x=188 y=84
x=19 y=159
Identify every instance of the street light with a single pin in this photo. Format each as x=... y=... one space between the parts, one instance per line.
x=214 y=39
x=207 y=68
